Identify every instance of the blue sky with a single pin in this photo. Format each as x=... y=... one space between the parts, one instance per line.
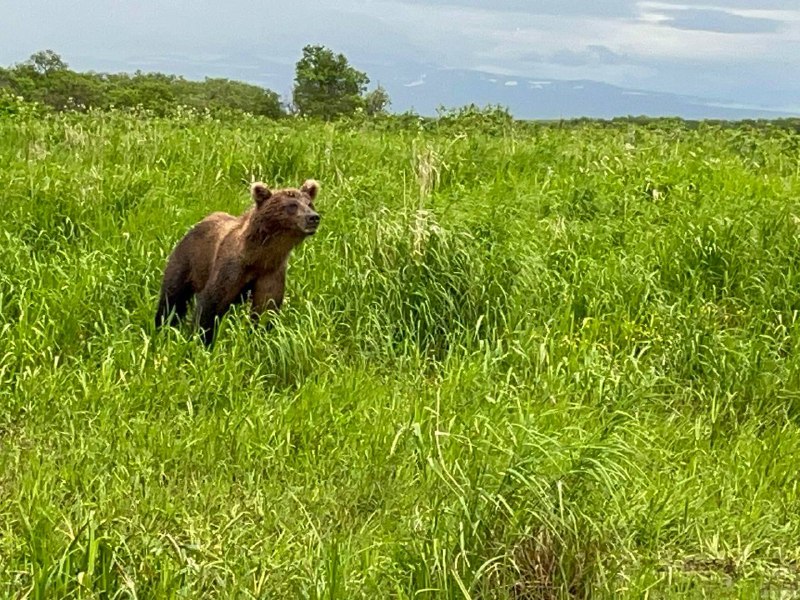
x=737 y=51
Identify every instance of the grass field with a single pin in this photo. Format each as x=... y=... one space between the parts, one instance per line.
x=539 y=363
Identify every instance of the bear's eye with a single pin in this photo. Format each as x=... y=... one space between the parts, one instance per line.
x=291 y=208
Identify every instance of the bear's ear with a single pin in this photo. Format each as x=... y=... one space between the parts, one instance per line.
x=260 y=193
x=310 y=187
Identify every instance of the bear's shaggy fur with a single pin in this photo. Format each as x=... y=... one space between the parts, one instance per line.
x=224 y=258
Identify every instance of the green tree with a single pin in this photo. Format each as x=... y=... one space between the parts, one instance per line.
x=45 y=78
x=326 y=85
x=45 y=62
x=377 y=101
x=224 y=93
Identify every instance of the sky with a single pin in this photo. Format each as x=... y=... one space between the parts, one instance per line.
x=736 y=52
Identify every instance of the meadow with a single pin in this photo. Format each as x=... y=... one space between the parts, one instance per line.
x=522 y=361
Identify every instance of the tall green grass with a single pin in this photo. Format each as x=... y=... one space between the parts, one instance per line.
x=538 y=363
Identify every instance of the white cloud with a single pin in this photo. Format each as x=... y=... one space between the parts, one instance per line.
x=462 y=37
x=649 y=53
x=780 y=14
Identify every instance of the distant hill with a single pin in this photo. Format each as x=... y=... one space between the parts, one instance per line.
x=425 y=87
x=552 y=99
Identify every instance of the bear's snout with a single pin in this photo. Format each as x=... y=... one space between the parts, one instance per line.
x=312 y=222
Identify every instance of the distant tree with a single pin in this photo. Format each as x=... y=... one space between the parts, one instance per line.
x=326 y=86
x=490 y=118
x=377 y=101
x=64 y=89
x=224 y=93
x=45 y=62
x=45 y=78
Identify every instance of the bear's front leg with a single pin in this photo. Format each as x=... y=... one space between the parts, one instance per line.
x=216 y=298
x=268 y=293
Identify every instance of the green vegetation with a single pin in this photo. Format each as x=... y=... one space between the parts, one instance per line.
x=326 y=87
x=516 y=361
x=46 y=79
x=377 y=101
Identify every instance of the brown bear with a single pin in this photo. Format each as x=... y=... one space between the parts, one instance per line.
x=224 y=258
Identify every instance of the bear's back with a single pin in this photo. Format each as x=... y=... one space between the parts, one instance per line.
x=202 y=244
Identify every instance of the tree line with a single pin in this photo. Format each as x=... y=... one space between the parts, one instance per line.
x=326 y=86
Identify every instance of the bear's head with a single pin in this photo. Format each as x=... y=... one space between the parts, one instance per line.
x=289 y=211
